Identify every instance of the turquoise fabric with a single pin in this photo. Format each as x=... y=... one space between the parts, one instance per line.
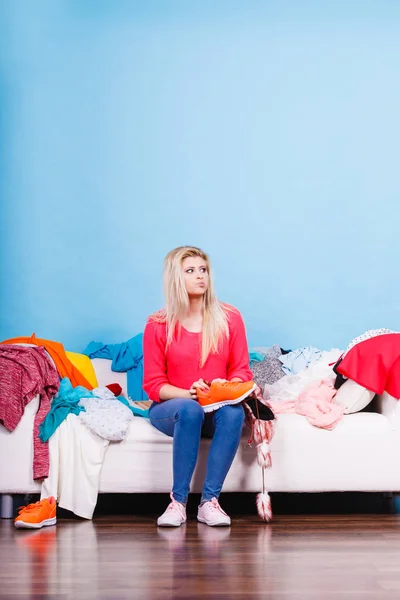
x=64 y=403
x=136 y=411
x=256 y=356
x=126 y=357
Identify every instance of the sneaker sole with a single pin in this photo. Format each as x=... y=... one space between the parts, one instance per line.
x=26 y=525
x=211 y=407
x=170 y=524
x=221 y=524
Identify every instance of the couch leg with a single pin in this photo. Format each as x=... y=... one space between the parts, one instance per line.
x=396 y=503
x=6 y=506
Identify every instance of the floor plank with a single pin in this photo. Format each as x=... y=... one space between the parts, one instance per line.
x=301 y=557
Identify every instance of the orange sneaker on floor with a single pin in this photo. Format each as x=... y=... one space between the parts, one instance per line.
x=222 y=393
x=39 y=514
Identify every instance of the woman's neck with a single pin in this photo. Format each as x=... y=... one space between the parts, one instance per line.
x=193 y=320
x=196 y=307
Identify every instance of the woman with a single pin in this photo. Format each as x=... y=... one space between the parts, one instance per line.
x=194 y=340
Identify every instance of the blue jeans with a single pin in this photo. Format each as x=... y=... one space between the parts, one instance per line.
x=185 y=421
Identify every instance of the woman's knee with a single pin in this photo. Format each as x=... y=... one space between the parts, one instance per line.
x=190 y=411
x=231 y=415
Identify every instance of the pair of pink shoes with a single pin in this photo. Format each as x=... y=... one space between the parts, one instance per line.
x=209 y=513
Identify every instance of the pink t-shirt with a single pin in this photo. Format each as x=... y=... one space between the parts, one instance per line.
x=180 y=364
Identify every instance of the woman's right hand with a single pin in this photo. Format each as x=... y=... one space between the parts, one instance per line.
x=198 y=385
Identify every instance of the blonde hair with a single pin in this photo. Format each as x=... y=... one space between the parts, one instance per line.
x=215 y=322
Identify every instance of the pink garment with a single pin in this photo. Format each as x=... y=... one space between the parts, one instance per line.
x=315 y=403
x=179 y=365
x=24 y=373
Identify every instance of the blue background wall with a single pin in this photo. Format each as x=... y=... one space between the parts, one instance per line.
x=267 y=133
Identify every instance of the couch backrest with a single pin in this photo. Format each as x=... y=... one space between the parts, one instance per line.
x=105 y=375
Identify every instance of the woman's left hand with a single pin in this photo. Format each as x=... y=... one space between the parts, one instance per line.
x=200 y=384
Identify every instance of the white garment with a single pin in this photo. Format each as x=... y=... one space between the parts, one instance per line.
x=106 y=416
x=76 y=458
x=104 y=393
x=289 y=387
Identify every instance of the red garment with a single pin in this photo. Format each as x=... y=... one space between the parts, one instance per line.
x=115 y=388
x=24 y=373
x=180 y=364
x=375 y=364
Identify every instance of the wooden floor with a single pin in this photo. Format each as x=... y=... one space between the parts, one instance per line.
x=320 y=557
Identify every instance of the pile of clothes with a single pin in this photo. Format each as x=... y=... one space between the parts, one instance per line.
x=299 y=381
x=305 y=381
x=76 y=419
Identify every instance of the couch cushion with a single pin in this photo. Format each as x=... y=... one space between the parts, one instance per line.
x=105 y=375
x=141 y=430
x=349 y=425
x=293 y=429
x=292 y=425
x=356 y=455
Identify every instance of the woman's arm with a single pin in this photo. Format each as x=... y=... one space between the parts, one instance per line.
x=239 y=360
x=154 y=360
x=169 y=391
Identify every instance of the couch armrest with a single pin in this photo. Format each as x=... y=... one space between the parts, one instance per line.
x=389 y=407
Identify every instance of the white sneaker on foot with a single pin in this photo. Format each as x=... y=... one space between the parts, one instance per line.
x=212 y=514
x=174 y=516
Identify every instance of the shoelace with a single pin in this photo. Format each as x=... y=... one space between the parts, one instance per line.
x=215 y=507
x=175 y=505
x=30 y=507
x=230 y=384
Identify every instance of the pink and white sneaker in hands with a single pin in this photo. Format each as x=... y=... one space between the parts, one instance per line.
x=212 y=514
x=174 y=516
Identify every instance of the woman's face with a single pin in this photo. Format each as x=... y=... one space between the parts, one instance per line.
x=195 y=274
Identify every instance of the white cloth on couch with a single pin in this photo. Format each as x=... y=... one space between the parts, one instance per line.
x=105 y=415
x=76 y=458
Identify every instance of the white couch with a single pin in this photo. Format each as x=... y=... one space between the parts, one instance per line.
x=360 y=454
